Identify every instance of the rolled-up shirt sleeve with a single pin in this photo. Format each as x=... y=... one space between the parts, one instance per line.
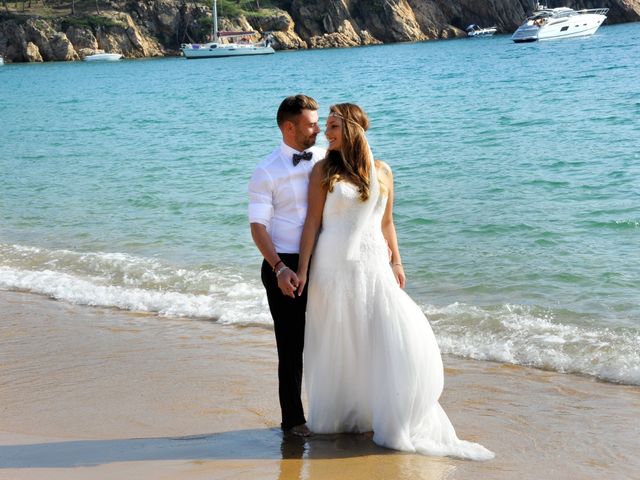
x=261 y=198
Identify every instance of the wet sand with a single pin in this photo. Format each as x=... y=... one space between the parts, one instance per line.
x=104 y=394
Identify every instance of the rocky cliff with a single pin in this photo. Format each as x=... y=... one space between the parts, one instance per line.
x=144 y=28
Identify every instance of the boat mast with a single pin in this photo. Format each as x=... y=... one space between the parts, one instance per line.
x=214 y=21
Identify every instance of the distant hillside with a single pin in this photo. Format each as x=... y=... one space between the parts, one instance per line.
x=50 y=30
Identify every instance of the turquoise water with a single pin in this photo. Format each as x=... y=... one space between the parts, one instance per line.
x=517 y=173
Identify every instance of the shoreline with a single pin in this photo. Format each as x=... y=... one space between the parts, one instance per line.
x=104 y=393
x=85 y=33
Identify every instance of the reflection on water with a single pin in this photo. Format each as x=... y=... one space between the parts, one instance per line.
x=354 y=457
x=332 y=457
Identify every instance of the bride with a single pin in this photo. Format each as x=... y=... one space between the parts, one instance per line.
x=371 y=360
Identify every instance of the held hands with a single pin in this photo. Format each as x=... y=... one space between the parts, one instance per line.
x=288 y=282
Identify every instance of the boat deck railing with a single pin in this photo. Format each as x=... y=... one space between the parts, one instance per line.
x=595 y=11
x=565 y=12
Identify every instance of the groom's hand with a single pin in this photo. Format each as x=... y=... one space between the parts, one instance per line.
x=288 y=283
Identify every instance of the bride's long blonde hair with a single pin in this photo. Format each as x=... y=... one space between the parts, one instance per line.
x=351 y=162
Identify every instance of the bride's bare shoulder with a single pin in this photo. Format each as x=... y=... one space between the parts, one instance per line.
x=317 y=173
x=383 y=168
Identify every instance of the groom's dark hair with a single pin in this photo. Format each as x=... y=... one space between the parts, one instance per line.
x=292 y=106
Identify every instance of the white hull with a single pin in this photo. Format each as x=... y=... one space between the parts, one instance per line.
x=482 y=32
x=1 y=61
x=103 y=57
x=217 y=50
x=569 y=25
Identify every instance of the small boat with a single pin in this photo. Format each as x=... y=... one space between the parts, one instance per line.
x=1 y=60
x=239 y=44
x=551 y=23
x=103 y=57
x=474 y=30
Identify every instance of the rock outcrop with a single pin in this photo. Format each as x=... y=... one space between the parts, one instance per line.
x=125 y=37
x=144 y=28
x=32 y=53
x=282 y=27
x=36 y=39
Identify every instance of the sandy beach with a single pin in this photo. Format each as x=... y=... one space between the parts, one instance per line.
x=105 y=394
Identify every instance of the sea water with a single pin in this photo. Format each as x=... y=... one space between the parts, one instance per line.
x=517 y=178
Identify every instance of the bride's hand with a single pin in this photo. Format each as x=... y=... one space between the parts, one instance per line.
x=302 y=281
x=398 y=272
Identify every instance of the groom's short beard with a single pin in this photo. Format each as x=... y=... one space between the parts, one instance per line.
x=307 y=142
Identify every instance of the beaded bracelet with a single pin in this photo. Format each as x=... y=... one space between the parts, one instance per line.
x=282 y=269
x=276 y=264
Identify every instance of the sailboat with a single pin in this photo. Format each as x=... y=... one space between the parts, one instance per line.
x=239 y=44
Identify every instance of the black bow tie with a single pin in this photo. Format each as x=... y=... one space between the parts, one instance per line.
x=301 y=156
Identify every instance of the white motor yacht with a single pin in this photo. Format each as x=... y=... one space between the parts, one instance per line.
x=551 y=23
x=475 y=31
x=103 y=57
x=239 y=44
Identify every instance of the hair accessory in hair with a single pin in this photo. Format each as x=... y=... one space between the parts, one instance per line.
x=337 y=115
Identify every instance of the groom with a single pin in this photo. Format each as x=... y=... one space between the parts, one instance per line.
x=277 y=210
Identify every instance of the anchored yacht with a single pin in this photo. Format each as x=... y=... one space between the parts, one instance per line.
x=239 y=45
x=551 y=23
x=103 y=57
x=475 y=31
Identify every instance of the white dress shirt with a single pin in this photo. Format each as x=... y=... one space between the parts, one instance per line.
x=278 y=196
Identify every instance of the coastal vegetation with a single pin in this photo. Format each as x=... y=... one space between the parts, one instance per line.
x=57 y=8
x=92 y=21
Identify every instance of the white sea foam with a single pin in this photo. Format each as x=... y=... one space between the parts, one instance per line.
x=515 y=334
x=133 y=283
x=529 y=336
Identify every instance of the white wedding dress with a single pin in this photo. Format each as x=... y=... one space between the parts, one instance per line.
x=371 y=359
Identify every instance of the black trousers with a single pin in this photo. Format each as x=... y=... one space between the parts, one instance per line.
x=288 y=322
